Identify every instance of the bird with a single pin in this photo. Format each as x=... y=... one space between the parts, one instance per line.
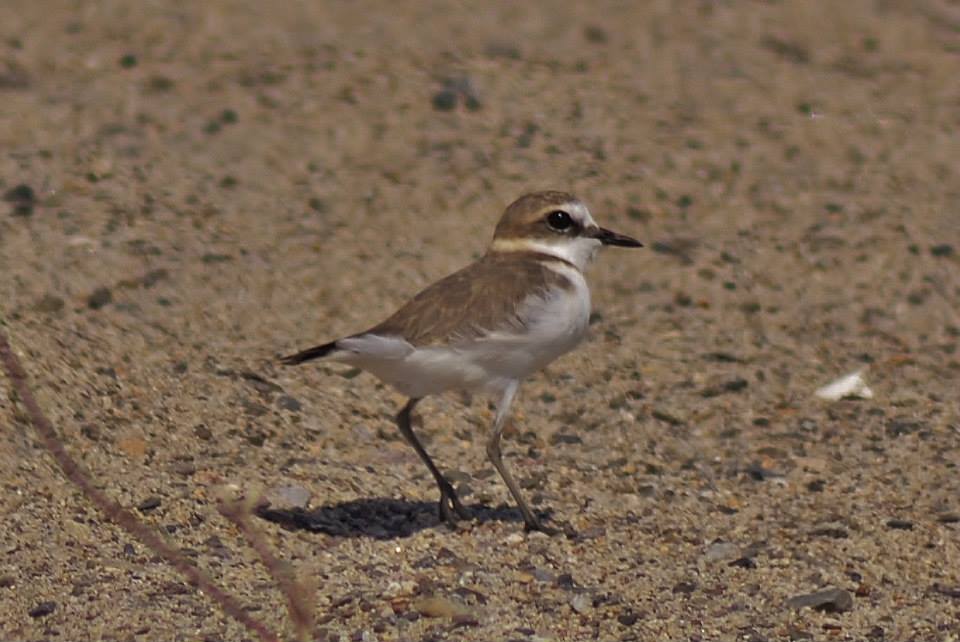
x=487 y=327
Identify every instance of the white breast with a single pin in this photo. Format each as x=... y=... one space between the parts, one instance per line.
x=553 y=325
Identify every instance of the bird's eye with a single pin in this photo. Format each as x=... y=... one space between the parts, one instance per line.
x=559 y=221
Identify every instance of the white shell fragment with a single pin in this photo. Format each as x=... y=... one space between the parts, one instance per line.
x=853 y=385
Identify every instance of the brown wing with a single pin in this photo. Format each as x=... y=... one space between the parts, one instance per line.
x=481 y=297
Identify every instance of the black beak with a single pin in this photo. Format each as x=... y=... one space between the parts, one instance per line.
x=612 y=238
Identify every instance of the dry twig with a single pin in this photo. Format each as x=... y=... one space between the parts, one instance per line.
x=114 y=511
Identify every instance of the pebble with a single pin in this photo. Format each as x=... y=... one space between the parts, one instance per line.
x=184 y=468
x=760 y=472
x=831 y=600
x=900 y=524
x=445 y=100
x=48 y=304
x=733 y=385
x=513 y=538
x=563 y=438
x=743 y=562
x=437 y=606
x=22 y=198
x=948 y=591
x=628 y=619
x=834 y=532
x=289 y=403
x=260 y=383
x=594 y=34
x=290 y=496
x=685 y=588
x=148 y=504
x=720 y=551
x=581 y=603
x=99 y=298
x=903 y=426
x=42 y=609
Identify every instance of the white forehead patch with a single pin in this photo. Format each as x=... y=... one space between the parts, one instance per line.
x=579 y=212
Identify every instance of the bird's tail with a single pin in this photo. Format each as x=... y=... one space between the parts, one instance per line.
x=315 y=352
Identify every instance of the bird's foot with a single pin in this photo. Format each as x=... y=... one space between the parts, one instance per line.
x=532 y=523
x=449 y=508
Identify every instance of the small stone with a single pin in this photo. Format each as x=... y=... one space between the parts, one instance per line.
x=719 y=551
x=732 y=385
x=743 y=562
x=42 y=609
x=563 y=438
x=437 y=606
x=667 y=417
x=543 y=575
x=502 y=49
x=596 y=35
x=90 y=431
x=290 y=496
x=153 y=277
x=513 y=539
x=581 y=603
x=148 y=504
x=132 y=446
x=948 y=591
x=566 y=581
x=184 y=468
x=212 y=257
x=594 y=532
x=202 y=432
x=903 y=426
x=99 y=298
x=22 y=198
x=831 y=600
x=900 y=524
x=628 y=619
x=685 y=588
x=48 y=304
x=289 y=403
x=260 y=384
x=759 y=471
x=833 y=532
x=445 y=100
x=464 y=620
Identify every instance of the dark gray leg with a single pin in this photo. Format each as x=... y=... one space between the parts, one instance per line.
x=449 y=502
x=531 y=521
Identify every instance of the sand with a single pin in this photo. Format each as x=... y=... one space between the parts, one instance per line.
x=192 y=189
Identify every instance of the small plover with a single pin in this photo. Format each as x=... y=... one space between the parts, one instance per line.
x=489 y=326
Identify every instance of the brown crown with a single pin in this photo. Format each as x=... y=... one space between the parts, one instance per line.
x=523 y=217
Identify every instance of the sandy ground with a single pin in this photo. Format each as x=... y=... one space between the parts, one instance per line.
x=192 y=189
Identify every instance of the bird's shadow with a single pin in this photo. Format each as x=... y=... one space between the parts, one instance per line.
x=379 y=518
